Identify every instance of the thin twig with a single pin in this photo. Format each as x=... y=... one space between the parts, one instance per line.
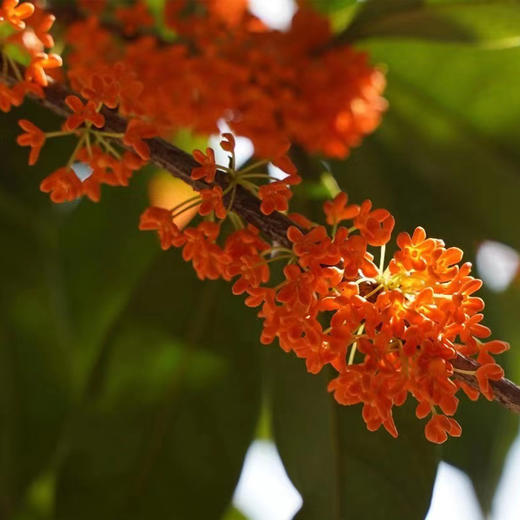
x=504 y=391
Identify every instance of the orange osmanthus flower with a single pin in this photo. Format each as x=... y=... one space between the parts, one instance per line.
x=286 y=165
x=337 y=210
x=63 y=185
x=202 y=250
x=161 y=220
x=228 y=142
x=15 y=13
x=439 y=427
x=208 y=168
x=33 y=137
x=8 y=98
x=40 y=64
x=274 y=196
x=490 y=371
x=82 y=113
x=376 y=226
x=136 y=131
x=41 y=23
x=212 y=201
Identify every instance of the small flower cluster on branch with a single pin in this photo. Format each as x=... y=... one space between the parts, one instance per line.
x=108 y=163
x=388 y=330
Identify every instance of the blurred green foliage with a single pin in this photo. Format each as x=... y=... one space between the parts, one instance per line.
x=128 y=389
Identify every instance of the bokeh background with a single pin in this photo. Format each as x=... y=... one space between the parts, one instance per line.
x=128 y=389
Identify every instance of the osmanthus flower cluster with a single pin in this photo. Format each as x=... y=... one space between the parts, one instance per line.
x=225 y=63
x=107 y=162
x=387 y=331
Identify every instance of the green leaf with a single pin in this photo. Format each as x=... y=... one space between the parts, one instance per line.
x=66 y=281
x=63 y=281
x=488 y=23
x=336 y=463
x=102 y=257
x=34 y=361
x=173 y=406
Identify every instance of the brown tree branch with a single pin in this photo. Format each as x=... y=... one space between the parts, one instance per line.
x=179 y=164
x=176 y=161
x=504 y=391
